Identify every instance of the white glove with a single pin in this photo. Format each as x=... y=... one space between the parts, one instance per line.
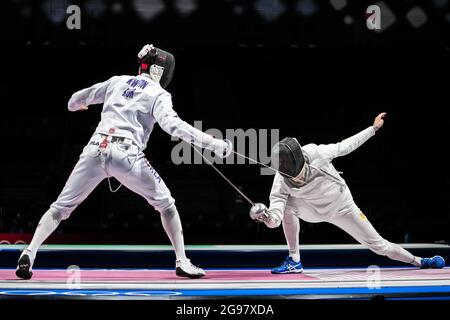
x=222 y=148
x=260 y=213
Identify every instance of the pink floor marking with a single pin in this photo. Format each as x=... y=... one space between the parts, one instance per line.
x=385 y=274
x=155 y=275
x=232 y=275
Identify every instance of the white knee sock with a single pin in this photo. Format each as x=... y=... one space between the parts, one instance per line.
x=172 y=225
x=417 y=261
x=396 y=252
x=291 y=228
x=48 y=223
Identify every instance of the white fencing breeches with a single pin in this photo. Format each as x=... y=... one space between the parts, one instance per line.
x=355 y=223
x=125 y=163
x=358 y=226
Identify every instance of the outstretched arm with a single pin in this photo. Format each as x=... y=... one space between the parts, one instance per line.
x=331 y=151
x=169 y=121
x=273 y=216
x=80 y=100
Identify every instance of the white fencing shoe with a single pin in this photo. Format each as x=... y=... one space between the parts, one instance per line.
x=184 y=268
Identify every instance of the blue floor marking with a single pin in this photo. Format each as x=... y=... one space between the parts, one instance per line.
x=230 y=292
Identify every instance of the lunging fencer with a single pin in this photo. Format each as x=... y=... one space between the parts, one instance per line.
x=308 y=187
x=131 y=107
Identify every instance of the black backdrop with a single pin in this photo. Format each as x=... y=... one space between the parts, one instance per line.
x=315 y=79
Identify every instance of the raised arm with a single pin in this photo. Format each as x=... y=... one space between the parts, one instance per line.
x=331 y=151
x=171 y=123
x=80 y=100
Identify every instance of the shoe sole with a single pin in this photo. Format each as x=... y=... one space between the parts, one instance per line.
x=437 y=267
x=24 y=274
x=181 y=273
x=286 y=272
x=23 y=268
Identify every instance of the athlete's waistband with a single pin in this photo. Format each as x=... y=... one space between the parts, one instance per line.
x=118 y=134
x=110 y=138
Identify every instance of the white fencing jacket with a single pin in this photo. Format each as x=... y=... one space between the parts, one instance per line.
x=324 y=193
x=131 y=107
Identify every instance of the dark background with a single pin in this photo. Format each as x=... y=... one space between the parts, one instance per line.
x=317 y=74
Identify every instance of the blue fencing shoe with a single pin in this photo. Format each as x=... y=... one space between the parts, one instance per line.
x=437 y=262
x=288 y=266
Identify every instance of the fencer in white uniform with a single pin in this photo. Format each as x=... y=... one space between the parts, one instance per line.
x=308 y=187
x=132 y=105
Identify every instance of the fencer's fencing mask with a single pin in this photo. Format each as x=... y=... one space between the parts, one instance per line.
x=158 y=63
x=287 y=157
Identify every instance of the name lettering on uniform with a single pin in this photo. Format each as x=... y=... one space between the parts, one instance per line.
x=136 y=83
x=129 y=93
